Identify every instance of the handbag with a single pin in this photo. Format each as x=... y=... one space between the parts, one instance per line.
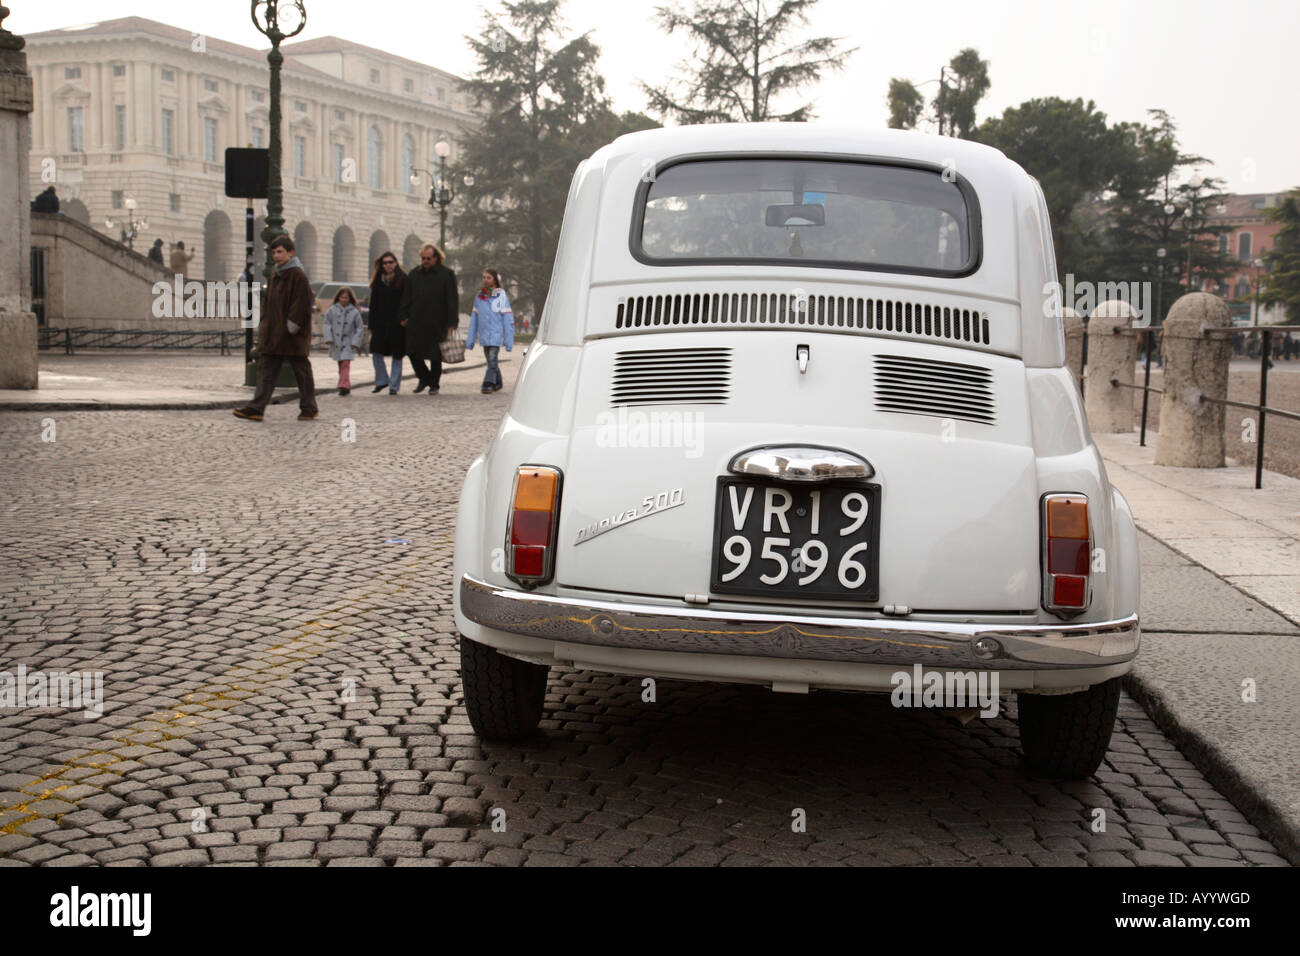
x=453 y=347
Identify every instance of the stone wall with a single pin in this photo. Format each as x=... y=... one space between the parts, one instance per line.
x=94 y=282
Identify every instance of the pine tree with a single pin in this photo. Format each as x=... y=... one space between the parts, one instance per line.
x=1282 y=282
x=544 y=109
x=743 y=62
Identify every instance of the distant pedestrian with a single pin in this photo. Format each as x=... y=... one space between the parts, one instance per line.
x=155 y=252
x=430 y=307
x=493 y=324
x=180 y=259
x=387 y=337
x=284 y=334
x=46 y=201
x=343 y=333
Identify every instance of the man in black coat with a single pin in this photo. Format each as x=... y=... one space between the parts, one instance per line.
x=47 y=201
x=430 y=306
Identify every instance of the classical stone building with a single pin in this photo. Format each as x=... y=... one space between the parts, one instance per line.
x=133 y=109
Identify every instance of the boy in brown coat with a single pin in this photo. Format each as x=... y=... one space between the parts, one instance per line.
x=284 y=334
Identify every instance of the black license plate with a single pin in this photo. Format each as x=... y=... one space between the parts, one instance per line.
x=809 y=540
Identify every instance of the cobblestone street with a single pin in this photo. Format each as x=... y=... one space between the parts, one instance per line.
x=270 y=606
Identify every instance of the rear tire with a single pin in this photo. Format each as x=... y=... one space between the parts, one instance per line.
x=504 y=696
x=1066 y=735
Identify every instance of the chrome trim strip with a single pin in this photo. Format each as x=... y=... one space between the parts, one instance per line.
x=854 y=640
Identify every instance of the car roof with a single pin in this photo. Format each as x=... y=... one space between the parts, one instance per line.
x=856 y=141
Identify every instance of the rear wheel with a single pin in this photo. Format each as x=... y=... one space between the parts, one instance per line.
x=1066 y=735
x=504 y=696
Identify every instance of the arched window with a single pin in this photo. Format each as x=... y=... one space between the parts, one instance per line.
x=408 y=161
x=374 y=157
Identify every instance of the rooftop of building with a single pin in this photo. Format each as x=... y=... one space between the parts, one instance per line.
x=127 y=26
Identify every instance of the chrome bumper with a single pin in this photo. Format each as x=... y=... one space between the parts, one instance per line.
x=803 y=637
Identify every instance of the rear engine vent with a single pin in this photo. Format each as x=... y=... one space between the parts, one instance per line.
x=913 y=386
x=672 y=377
x=816 y=311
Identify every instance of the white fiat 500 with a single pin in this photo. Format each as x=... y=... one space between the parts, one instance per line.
x=798 y=415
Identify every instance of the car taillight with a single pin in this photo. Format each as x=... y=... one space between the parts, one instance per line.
x=1067 y=553
x=530 y=534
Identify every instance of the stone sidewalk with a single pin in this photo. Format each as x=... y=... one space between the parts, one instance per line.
x=1220 y=656
x=174 y=380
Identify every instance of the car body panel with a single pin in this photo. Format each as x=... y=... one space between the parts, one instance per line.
x=961 y=479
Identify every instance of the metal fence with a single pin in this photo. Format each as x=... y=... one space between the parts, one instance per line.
x=72 y=339
x=1265 y=363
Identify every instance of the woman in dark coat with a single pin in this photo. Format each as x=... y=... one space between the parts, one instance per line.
x=429 y=307
x=387 y=337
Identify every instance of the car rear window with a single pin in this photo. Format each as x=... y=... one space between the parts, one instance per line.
x=789 y=212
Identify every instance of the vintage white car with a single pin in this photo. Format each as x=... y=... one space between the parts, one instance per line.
x=798 y=415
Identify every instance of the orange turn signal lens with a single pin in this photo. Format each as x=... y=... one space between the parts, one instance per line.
x=535 y=489
x=1067 y=517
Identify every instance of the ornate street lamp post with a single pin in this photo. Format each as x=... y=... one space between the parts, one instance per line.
x=1195 y=182
x=440 y=194
x=278 y=21
x=132 y=226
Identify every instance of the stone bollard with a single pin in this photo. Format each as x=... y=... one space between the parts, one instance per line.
x=1110 y=356
x=1073 y=344
x=1191 y=431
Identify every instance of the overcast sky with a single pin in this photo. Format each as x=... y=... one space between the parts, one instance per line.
x=1226 y=72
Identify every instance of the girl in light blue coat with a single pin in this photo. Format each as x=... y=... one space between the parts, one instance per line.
x=492 y=324
x=343 y=332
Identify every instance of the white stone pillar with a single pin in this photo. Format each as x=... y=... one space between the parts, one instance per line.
x=1196 y=365
x=18 y=359
x=1073 y=344
x=1110 y=356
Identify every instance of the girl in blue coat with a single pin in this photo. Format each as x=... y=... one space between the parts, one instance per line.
x=492 y=324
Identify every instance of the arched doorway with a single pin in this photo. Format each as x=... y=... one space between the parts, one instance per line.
x=304 y=241
x=217 y=247
x=75 y=209
x=379 y=244
x=345 y=250
x=411 y=252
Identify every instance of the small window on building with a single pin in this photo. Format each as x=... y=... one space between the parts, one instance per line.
x=119 y=69
x=169 y=76
x=76 y=137
x=209 y=139
x=210 y=85
x=374 y=76
x=338 y=162
x=408 y=85
x=300 y=156
x=1223 y=244
x=168 y=127
x=116 y=198
x=119 y=117
x=173 y=202
x=340 y=116
x=72 y=72
x=1243 y=245
x=259 y=137
x=300 y=106
x=1242 y=290
x=258 y=96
